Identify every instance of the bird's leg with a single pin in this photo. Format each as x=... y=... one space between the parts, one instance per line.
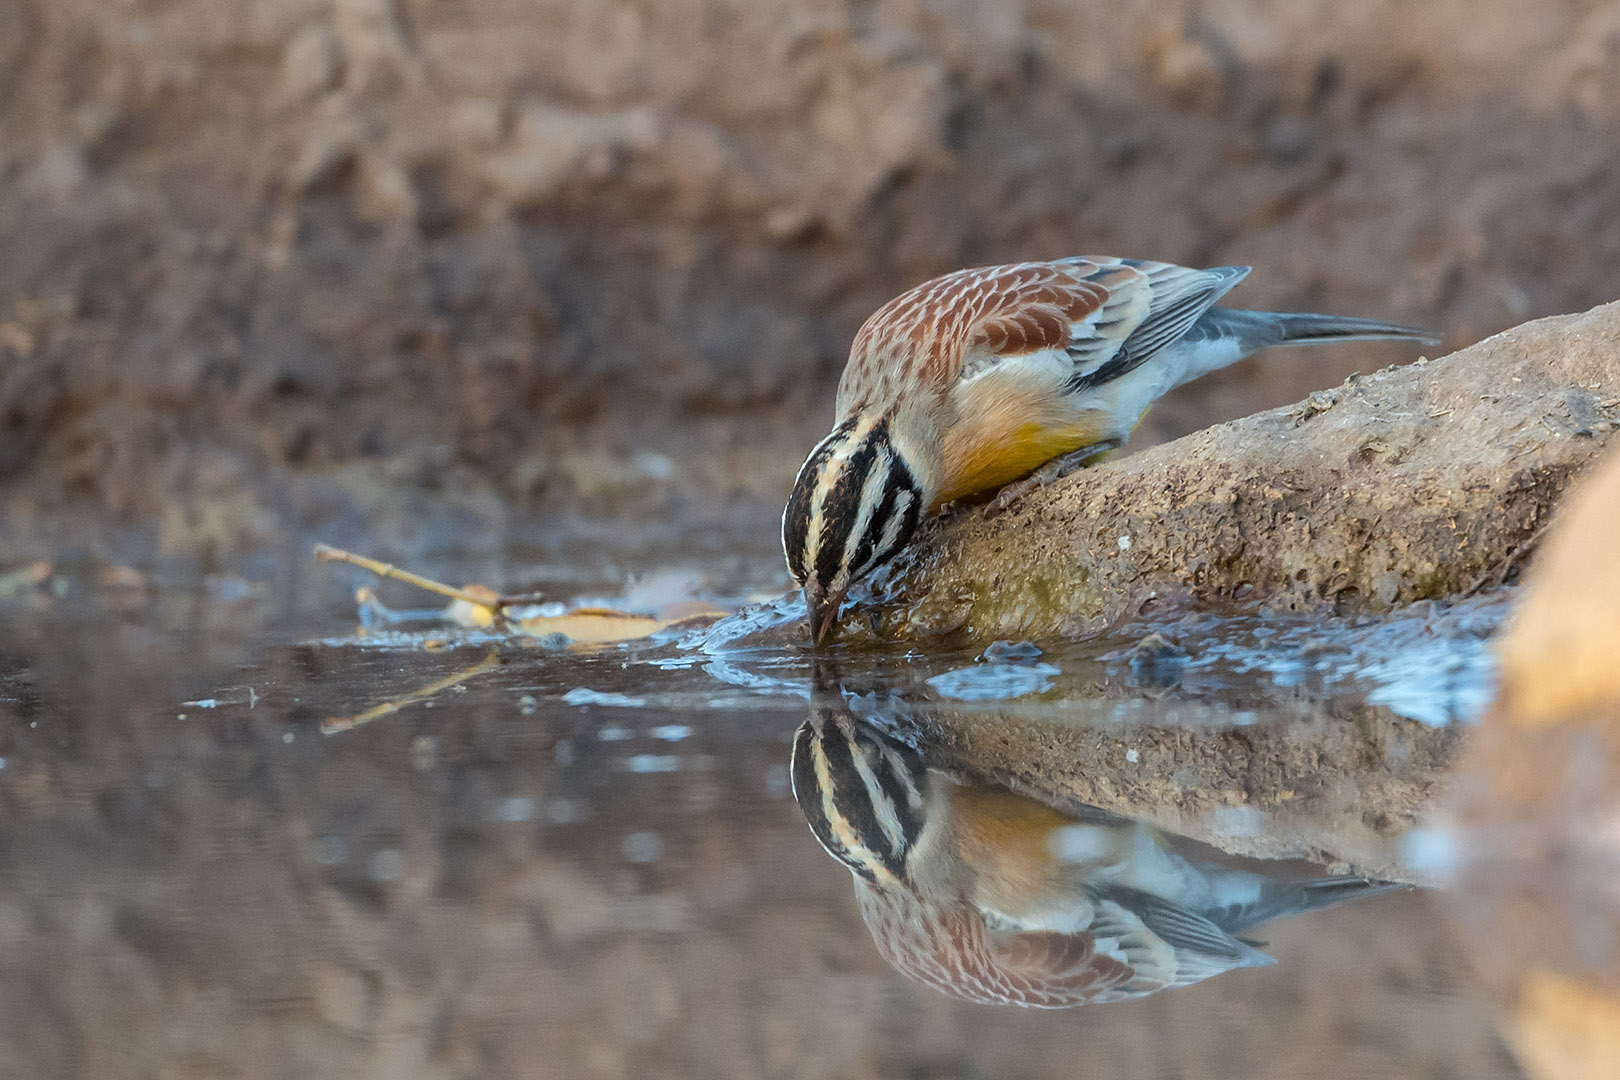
x=1053 y=470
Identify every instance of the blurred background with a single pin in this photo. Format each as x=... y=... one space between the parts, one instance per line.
x=458 y=275
x=549 y=290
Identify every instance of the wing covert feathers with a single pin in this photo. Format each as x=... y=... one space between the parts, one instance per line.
x=933 y=332
x=1177 y=298
x=1109 y=315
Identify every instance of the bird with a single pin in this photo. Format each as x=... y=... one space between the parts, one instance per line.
x=977 y=379
x=993 y=897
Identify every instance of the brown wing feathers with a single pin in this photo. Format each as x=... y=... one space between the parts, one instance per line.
x=1039 y=317
x=1008 y=311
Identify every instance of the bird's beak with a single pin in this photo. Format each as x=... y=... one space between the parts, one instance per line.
x=822 y=608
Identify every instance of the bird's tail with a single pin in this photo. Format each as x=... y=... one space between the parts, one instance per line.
x=1279 y=898
x=1256 y=330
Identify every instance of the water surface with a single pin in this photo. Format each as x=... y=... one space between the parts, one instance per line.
x=576 y=863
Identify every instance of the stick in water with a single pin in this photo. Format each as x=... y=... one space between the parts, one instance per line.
x=492 y=604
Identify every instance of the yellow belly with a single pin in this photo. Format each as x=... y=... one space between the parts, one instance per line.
x=984 y=460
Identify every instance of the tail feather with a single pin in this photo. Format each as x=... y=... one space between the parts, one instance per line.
x=1279 y=898
x=1256 y=330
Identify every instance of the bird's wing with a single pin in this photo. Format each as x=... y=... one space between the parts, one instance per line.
x=1104 y=317
x=1175 y=298
x=1166 y=944
x=1047 y=969
x=1076 y=322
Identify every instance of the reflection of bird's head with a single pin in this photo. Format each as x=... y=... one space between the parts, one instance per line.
x=863 y=794
x=872 y=804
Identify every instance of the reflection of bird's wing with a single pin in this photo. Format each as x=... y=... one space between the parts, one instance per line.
x=1127 y=944
x=1043 y=969
x=950 y=947
x=1165 y=944
x=1136 y=944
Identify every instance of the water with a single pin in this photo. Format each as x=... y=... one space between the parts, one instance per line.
x=584 y=863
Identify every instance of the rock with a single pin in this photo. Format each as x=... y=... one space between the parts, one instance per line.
x=1421 y=482
x=1342 y=790
x=1533 y=822
x=1560 y=660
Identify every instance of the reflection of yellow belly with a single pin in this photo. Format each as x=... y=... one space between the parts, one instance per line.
x=982 y=461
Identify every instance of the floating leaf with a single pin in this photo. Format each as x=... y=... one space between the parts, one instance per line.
x=602 y=626
x=478 y=607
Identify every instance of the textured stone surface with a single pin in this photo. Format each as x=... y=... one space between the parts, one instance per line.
x=1421 y=482
x=1534 y=817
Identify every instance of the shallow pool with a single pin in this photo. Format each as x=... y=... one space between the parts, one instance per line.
x=242 y=846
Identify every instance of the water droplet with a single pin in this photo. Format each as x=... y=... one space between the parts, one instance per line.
x=516 y=808
x=653 y=465
x=994 y=682
x=652 y=763
x=330 y=850
x=387 y=865
x=1010 y=652
x=643 y=847
x=584 y=695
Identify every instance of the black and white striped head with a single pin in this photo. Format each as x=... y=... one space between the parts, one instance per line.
x=863 y=794
x=854 y=506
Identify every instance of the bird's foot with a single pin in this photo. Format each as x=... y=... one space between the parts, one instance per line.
x=1052 y=471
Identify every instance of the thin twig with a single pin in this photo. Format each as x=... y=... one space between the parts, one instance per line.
x=492 y=604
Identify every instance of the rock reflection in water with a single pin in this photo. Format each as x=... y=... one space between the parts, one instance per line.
x=996 y=898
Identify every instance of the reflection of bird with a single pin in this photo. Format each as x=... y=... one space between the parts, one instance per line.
x=975 y=379
x=993 y=897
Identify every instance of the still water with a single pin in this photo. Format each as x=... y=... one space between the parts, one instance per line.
x=225 y=855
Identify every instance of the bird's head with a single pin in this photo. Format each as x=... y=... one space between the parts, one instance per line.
x=855 y=505
x=863 y=793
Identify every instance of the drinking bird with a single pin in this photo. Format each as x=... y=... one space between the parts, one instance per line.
x=979 y=378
